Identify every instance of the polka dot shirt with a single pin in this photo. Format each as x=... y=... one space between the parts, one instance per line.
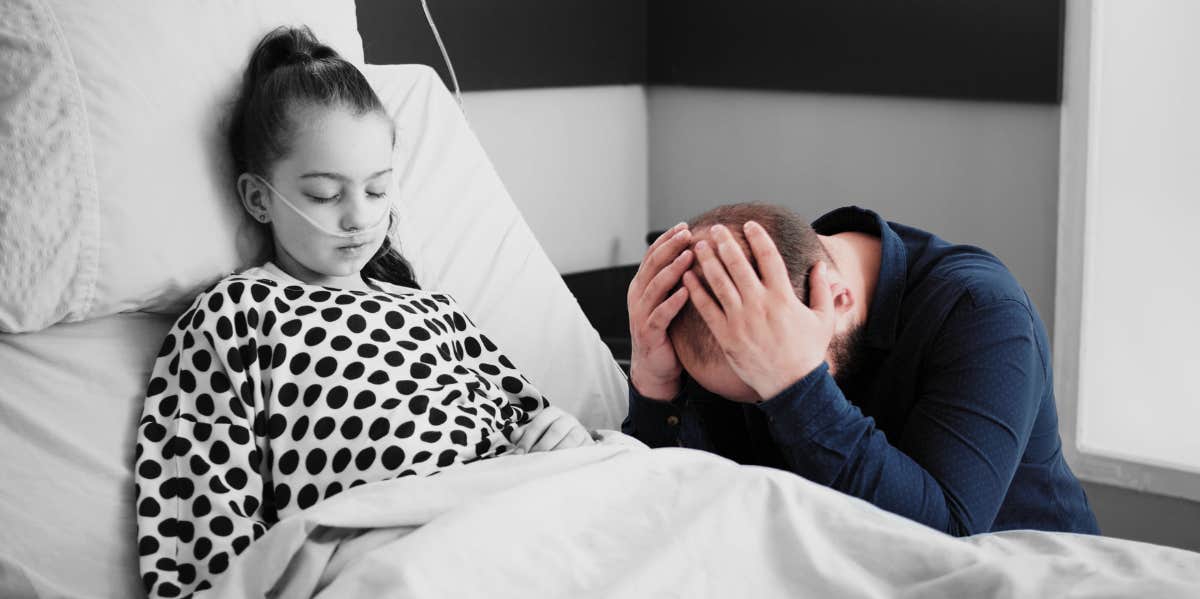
x=269 y=395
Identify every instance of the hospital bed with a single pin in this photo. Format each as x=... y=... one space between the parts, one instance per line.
x=116 y=210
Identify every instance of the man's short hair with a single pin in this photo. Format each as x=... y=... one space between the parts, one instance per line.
x=797 y=242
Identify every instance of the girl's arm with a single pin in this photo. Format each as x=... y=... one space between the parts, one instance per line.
x=198 y=458
x=483 y=356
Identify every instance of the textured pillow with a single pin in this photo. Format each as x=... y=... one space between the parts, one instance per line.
x=48 y=213
x=114 y=193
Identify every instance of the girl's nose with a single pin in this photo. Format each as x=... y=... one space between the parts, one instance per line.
x=358 y=212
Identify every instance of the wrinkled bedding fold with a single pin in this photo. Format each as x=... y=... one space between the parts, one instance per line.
x=619 y=520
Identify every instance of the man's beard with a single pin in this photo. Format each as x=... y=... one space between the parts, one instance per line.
x=847 y=353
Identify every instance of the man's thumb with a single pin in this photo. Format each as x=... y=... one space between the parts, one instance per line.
x=820 y=296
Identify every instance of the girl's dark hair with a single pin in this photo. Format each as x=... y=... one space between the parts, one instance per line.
x=291 y=68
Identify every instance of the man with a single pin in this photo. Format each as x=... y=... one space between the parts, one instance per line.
x=917 y=377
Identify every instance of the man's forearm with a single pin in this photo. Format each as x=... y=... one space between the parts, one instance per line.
x=827 y=440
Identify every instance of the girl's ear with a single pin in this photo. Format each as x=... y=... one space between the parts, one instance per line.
x=256 y=199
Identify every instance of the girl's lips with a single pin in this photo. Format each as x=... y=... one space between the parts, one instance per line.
x=353 y=250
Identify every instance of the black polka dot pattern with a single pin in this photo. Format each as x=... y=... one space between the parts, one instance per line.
x=323 y=390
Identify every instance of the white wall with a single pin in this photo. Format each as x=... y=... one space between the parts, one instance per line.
x=972 y=172
x=574 y=161
x=593 y=168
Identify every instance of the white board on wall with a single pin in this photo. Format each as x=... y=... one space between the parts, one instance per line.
x=1141 y=299
x=574 y=161
x=1133 y=200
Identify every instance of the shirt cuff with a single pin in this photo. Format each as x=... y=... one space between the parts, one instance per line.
x=655 y=423
x=648 y=406
x=806 y=406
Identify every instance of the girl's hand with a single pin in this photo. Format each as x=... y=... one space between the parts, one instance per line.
x=551 y=429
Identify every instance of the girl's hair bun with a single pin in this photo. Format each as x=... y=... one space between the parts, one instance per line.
x=287 y=46
x=289 y=66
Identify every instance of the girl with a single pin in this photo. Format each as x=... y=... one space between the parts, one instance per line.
x=327 y=367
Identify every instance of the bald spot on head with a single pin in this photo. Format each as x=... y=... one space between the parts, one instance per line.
x=796 y=241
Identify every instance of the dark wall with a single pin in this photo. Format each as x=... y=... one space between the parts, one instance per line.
x=1128 y=514
x=971 y=49
x=502 y=44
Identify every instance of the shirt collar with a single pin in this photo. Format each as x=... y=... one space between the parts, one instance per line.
x=884 y=313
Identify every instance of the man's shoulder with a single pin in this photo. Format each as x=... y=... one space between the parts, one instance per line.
x=961 y=270
x=982 y=278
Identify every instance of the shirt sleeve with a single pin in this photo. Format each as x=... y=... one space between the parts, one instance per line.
x=962 y=442
x=653 y=422
x=198 y=485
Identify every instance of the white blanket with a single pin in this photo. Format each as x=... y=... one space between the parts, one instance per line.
x=622 y=521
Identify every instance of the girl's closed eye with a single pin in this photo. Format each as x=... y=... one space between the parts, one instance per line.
x=321 y=199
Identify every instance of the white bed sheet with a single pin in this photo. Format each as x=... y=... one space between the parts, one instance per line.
x=625 y=521
x=69 y=398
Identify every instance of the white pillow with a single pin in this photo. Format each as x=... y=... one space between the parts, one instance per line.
x=115 y=191
x=67 y=431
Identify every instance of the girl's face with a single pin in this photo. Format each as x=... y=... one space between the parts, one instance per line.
x=338 y=174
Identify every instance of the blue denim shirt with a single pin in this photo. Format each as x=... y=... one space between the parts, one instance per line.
x=951 y=421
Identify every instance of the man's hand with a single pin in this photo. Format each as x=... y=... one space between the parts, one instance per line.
x=770 y=338
x=654 y=369
x=551 y=429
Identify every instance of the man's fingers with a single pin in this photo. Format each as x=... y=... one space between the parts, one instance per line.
x=656 y=257
x=708 y=308
x=766 y=255
x=668 y=251
x=734 y=259
x=666 y=311
x=666 y=278
x=820 y=296
x=665 y=236
x=718 y=280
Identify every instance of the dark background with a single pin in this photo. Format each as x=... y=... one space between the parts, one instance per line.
x=504 y=44
x=1008 y=50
